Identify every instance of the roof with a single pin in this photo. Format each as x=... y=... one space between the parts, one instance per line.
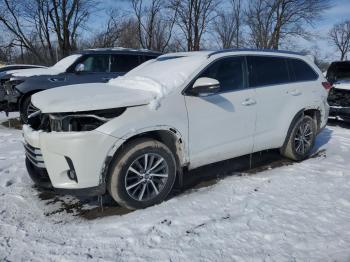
x=119 y=50
x=210 y=53
x=255 y=50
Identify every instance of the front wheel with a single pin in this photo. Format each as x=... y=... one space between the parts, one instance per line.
x=301 y=139
x=143 y=174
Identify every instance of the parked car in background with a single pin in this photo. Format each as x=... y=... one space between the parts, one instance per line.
x=88 y=66
x=338 y=74
x=133 y=136
x=5 y=70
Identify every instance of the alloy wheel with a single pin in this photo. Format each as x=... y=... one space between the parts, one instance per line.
x=303 y=138
x=146 y=177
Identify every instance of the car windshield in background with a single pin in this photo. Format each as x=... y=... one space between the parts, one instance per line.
x=339 y=71
x=66 y=62
x=343 y=74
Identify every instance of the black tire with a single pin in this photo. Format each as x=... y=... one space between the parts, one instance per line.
x=122 y=181
x=301 y=139
x=23 y=109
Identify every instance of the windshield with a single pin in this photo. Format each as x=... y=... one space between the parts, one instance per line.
x=66 y=62
x=339 y=72
x=169 y=71
x=343 y=74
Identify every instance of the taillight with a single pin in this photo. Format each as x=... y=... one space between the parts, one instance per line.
x=327 y=85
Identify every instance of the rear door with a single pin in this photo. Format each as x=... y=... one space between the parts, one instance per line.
x=221 y=126
x=277 y=99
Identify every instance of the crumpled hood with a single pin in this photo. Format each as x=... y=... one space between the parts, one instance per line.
x=342 y=85
x=87 y=97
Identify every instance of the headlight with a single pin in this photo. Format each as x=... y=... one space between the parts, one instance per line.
x=82 y=121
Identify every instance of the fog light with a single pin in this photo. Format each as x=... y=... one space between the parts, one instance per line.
x=71 y=172
x=72 y=175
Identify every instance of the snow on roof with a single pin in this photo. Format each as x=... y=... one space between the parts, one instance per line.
x=24 y=65
x=60 y=67
x=119 y=49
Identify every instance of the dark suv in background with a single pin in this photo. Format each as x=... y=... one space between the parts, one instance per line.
x=91 y=66
x=5 y=70
x=338 y=74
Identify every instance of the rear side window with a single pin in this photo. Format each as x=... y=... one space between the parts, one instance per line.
x=265 y=70
x=147 y=57
x=124 y=63
x=228 y=71
x=301 y=71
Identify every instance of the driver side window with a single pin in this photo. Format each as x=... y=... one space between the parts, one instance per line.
x=96 y=64
x=228 y=71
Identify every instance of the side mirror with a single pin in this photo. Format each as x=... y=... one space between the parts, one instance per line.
x=79 y=68
x=206 y=86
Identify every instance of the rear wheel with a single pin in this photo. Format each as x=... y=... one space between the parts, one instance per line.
x=26 y=109
x=301 y=139
x=143 y=174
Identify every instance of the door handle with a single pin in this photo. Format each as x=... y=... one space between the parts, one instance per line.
x=249 y=102
x=294 y=92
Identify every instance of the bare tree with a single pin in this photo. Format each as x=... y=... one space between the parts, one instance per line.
x=194 y=18
x=11 y=17
x=228 y=26
x=37 y=24
x=67 y=16
x=119 y=31
x=128 y=36
x=155 y=23
x=108 y=37
x=271 y=21
x=340 y=37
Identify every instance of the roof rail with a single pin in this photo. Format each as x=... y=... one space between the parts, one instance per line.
x=252 y=49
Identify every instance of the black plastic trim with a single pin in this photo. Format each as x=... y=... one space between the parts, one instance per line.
x=88 y=191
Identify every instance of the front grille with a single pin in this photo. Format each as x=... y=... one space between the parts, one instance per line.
x=34 y=155
x=339 y=97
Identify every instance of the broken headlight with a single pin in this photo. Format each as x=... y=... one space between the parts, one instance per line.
x=82 y=121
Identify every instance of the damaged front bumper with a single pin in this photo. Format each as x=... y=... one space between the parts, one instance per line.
x=69 y=163
x=341 y=113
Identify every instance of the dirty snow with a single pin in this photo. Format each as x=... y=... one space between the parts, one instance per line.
x=297 y=212
x=60 y=67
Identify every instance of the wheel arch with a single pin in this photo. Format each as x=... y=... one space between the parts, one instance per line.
x=169 y=136
x=315 y=113
x=24 y=96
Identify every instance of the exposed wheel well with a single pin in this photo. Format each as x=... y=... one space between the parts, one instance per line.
x=25 y=96
x=316 y=116
x=314 y=113
x=168 y=137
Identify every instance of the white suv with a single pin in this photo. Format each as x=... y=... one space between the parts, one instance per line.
x=133 y=136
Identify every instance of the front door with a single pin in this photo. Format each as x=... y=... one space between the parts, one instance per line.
x=221 y=126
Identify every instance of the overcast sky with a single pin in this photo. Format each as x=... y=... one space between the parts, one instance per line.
x=339 y=11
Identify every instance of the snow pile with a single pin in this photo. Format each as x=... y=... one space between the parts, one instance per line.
x=142 y=84
x=58 y=68
x=298 y=212
x=162 y=75
x=92 y=96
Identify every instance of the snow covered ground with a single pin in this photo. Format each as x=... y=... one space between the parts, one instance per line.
x=295 y=212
